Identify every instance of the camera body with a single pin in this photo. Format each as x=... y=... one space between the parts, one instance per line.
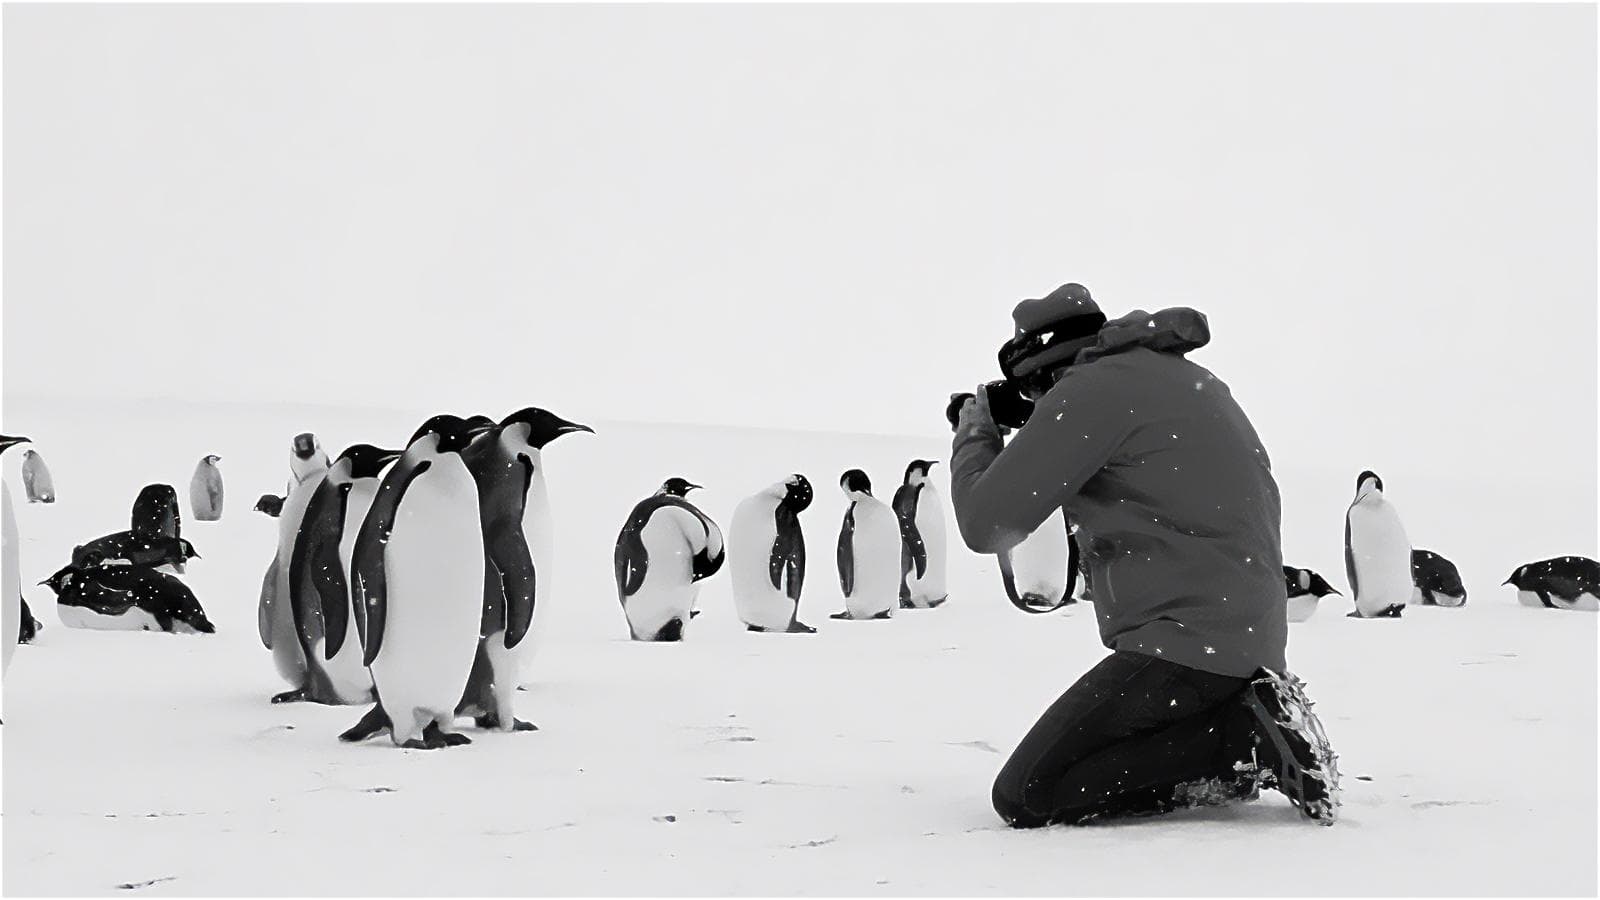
x=1006 y=403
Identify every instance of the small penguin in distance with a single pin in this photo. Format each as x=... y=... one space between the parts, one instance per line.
x=1562 y=582
x=36 y=480
x=271 y=504
x=205 y=489
x=1304 y=588
x=1377 y=553
x=1437 y=583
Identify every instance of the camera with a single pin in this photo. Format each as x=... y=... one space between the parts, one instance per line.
x=1006 y=403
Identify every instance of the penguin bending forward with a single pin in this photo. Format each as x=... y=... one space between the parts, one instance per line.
x=922 y=558
x=665 y=549
x=419 y=575
x=869 y=552
x=768 y=557
x=1377 y=553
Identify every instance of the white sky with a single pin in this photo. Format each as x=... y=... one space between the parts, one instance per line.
x=812 y=216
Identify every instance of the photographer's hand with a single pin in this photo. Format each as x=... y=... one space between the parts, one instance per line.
x=976 y=419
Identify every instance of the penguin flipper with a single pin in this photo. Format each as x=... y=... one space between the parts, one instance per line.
x=905 y=508
x=269 y=591
x=846 y=552
x=371 y=589
x=513 y=563
x=708 y=562
x=1350 y=564
x=314 y=561
x=631 y=559
x=1072 y=566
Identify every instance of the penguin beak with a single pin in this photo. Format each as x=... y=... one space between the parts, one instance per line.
x=6 y=442
x=570 y=427
x=389 y=456
x=1506 y=582
x=694 y=487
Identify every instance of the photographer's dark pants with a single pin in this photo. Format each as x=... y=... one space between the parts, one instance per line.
x=1121 y=739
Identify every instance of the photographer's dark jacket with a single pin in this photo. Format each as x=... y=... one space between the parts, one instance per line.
x=1168 y=484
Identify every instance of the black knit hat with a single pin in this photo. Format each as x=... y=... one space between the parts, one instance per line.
x=1051 y=330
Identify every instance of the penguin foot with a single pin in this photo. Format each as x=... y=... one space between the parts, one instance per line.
x=841 y=615
x=756 y=628
x=938 y=602
x=883 y=615
x=905 y=603
x=374 y=721
x=297 y=695
x=801 y=628
x=693 y=613
x=491 y=722
x=444 y=738
x=416 y=744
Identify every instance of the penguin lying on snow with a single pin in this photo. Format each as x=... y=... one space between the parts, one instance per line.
x=271 y=504
x=665 y=549
x=1437 y=581
x=128 y=548
x=1304 y=588
x=1563 y=582
x=126 y=598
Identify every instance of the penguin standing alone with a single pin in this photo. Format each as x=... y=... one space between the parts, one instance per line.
x=36 y=480
x=419 y=565
x=768 y=557
x=1377 y=553
x=205 y=490
x=922 y=557
x=665 y=549
x=869 y=552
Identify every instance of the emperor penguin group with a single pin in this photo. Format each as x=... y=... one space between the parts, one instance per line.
x=410 y=578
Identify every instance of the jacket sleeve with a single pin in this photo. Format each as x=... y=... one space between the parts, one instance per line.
x=1002 y=493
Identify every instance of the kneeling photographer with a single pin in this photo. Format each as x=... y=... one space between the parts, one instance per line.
x=1177 y=515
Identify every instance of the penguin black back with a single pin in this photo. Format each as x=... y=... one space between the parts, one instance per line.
x=155 y=512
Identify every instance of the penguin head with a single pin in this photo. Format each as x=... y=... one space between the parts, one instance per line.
x=1316 y=584
x=212 y=459
x=917 y=472
x=306 y=456
x=677 y=487
x=448 y=433
x=797 y=493
x=364 y=460
x=1367 y=483
x=540 y=426
x=187 y=549
x=1516 y=578
x=855 y=481
x=7 y=442
x=61 y=580
x=306 y=445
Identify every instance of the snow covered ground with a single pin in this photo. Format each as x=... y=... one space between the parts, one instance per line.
x=855 y=761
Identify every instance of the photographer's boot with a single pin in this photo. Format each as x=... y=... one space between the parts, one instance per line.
x=1292 y=751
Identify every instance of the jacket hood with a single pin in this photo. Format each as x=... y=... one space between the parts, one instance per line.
x=1176 y=330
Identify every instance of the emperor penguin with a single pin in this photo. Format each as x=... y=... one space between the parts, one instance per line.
x=36 y=481
x=271 y=504
x=665 y=549
x=922 y=557
x=1377 y=553
x=308 y=465
x=126 y=598
x=155 y=512
x=320 y=574
x=420 y=563
x=869 y=552
x=768 y=551
x=1038 y=572
x=1563 y=582
x=205 y=489
x=1304 y=588
x=155 y=551
x=1436 y=581
x=10 y=571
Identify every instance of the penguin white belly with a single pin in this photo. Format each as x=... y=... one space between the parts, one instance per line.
x=669 y=589
x=1381 y=553
x=1301 y=607
x=1450 y=602
x=1583 y=602
x=10 y=578
x=135 y=619
x=538 y=529
x=433 y=566
x=930 y=588
x=1039 y=563
x=750 y=541
x=1529 y=598
x=875 y=548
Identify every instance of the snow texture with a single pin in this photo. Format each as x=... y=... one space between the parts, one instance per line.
x=854 y=761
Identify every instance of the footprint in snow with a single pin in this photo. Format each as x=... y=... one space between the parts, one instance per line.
x=985 y=746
